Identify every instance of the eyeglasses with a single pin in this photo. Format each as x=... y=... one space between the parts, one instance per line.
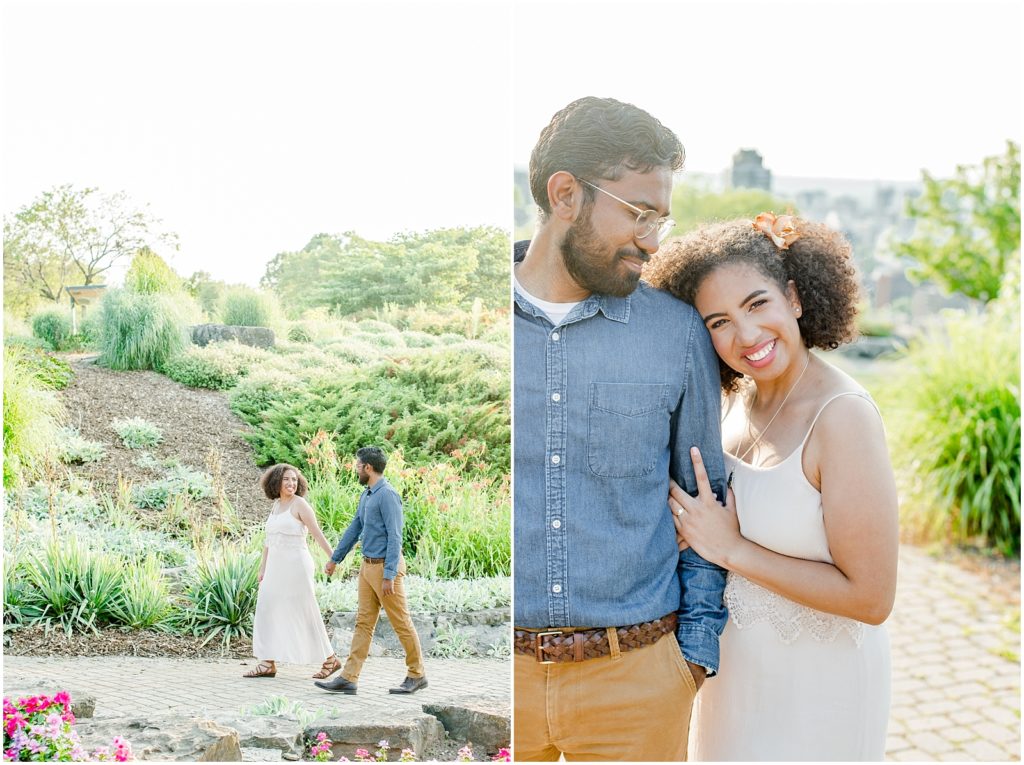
x=647 y=221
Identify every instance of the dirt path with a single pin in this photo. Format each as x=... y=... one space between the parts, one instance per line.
x=194 y=422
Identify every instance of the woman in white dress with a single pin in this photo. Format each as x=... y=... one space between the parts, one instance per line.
x=809 y=533
x=288 y=626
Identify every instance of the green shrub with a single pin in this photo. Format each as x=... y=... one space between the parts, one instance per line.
x=137 y=433
x=53 y=326
x=145 y=601
x=222 y=596
x=74 y=450
x=51 y=371
x=955 y=417
x=218 y=366
x=90 y=331
x=299 y=334
x=149 y=274
x=72 y=587
x=32 y=416
x=245 y=307
x=180 y=480
x=15 y=590
x=141 y=331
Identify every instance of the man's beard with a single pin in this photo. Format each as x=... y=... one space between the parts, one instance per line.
x=363 y=478
x=589 y=265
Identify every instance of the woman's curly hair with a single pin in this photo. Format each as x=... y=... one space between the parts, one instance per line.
x=271 y=479
x=820 y=263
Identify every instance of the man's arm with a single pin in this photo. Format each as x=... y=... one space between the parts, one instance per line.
x=702 y=613
x=348 y=539
x=391 y=514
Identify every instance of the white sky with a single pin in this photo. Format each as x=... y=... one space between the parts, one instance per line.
x=251 y=127
x=829 y=89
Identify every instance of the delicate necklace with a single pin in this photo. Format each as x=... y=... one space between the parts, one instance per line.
x=764 y=430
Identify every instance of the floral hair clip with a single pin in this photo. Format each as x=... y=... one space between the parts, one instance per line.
x=781 y=229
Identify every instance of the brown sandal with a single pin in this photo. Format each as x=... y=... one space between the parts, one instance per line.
x=263 y=669
x=330 y=666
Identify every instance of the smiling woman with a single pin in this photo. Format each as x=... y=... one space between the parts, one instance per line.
x=809 y=531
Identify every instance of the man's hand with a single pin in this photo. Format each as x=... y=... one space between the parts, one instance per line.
x=698 y=672
x=388 y=587
x=329 y=568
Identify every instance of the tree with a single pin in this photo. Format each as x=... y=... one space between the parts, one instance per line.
x=73 y=236
x=693 y=206
x=149 y=273
x=968 y=226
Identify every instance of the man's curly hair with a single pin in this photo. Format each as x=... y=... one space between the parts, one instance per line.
x=820 y=263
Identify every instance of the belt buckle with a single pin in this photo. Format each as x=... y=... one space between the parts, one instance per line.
x=538 y=645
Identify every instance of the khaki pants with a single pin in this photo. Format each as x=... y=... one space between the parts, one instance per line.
x=371 y=598
x=631 y=706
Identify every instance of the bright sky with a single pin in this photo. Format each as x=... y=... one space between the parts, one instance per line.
x=824 y=89
x=251 y=127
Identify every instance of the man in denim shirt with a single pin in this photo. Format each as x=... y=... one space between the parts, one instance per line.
x=378 y=522
x=614 y=382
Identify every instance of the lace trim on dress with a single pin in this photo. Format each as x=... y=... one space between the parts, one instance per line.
x=750 y=603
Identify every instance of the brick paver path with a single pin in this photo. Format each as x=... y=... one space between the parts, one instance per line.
x=153 y=687
x=955 y=666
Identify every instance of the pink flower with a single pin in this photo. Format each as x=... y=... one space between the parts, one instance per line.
x=503 y=755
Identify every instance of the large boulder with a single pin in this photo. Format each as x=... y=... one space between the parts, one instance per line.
x=483 y=722
x=258 y=337
x=280 y=732
x=188 y=739
x=417 y=731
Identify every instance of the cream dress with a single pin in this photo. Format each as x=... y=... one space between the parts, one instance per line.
x=794 y=683
x=288 y=626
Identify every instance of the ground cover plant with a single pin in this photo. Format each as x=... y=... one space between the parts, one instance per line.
x=136 y=433
x=955 y=430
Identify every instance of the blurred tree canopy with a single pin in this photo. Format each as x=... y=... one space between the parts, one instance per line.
x=694 y=205
x=347 y=273
x=968 y=226
x=69 y=236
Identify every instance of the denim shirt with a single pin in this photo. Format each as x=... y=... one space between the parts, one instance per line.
x=379 y=521
x=607 y=406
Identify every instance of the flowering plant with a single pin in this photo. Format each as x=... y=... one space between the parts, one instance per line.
x=40 y=729
x=781 y=229
x=503 y=755
x=321 y=750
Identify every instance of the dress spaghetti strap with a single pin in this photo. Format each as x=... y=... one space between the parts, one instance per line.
x=858 y=393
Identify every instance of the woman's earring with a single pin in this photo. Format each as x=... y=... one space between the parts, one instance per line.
x=796 y=309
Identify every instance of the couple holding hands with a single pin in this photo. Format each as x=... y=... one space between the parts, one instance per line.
x=288 y=626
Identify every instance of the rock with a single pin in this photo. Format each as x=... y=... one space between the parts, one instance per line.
x=171 y=738
x=83 y=705
x=280 y=732
x=484 y=723
x=417 y=731
x=255 y=754
x=258 y=337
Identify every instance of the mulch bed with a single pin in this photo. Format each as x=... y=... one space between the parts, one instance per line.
x=194 y=422
x=36 y=641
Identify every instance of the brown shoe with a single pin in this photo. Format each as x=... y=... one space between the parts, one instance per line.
x=263 y=669
x=329 y=667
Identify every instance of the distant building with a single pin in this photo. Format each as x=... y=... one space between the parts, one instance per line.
x=749 y=172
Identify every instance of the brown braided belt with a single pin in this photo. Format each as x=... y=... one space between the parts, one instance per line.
x=572 y=644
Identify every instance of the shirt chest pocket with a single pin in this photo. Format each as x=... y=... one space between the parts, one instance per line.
x=628 y=428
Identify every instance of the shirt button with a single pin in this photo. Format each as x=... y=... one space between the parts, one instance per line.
x=557 y=524
x=555 y=336
x=556 y=396
x=555 y=459
x=556 y=589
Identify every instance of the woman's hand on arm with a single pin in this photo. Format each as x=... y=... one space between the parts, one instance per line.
x=702 y=522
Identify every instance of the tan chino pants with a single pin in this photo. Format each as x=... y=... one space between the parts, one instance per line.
x=626 y=707
x=371 y=598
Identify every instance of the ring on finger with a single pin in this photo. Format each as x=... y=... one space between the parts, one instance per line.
x=680 y=511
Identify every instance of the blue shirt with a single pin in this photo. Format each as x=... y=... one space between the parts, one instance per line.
x=607 y=406
x=378 y=523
